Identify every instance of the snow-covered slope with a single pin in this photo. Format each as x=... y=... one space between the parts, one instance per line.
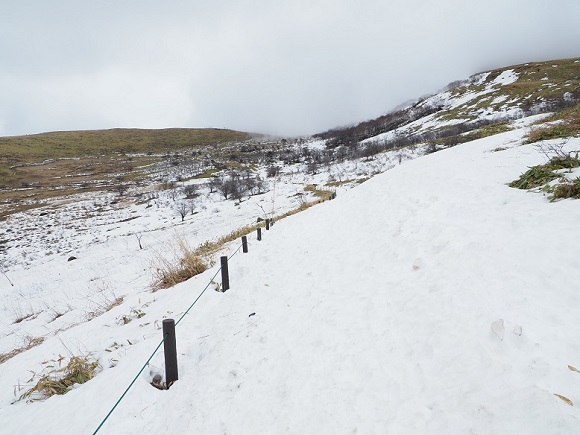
x=488 y=98
x=430 y=299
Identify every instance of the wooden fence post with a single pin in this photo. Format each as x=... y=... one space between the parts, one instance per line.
x=245 y=244
x=225 y=274
x=170 y=350
x=267 y=224
x=259 y=234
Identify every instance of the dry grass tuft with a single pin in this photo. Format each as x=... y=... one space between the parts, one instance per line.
x=29 y=343
x=209 y=249
x=56 y=379
x=184 y=264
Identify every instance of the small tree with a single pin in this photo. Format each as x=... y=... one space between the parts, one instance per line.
x=139 y=236
x=259 y=185
x=248 y=184
x=229 y=188
x=273 y=171
x=190 y=191
x=121 y=189
x=182 y=209
x=214 y=184
x=312 y=168
x=2 y=271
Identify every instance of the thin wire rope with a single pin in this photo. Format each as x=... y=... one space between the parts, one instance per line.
x=159 y=345
x=237 y=250
x=206 y=287
x=131 y=384
x=199 y=296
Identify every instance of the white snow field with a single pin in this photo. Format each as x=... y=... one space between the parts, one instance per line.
x=431 y=299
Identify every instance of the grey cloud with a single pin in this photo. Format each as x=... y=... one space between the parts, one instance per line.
x=287 y=67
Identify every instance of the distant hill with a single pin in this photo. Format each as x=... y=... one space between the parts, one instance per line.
x=23 y=158
x=98 y=142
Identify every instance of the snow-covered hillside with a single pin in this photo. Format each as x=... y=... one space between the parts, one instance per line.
x=469 y=109
x=432 y=298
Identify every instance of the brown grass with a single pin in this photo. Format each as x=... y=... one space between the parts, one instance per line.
x=24 y=317
x=338 y=183
x=209 y=249
x=319 y=193
x=568 y=126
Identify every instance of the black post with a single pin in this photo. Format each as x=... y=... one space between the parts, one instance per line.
x=259 y=234
x=170 y=349
x=245 y=244
x=225 y=274
x=267 y=224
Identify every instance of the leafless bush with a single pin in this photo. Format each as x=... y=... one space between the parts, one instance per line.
x=190 y=191
x=105 y=300
x=553 y=150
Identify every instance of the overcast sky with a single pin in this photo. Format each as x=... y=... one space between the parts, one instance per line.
x=286 y=67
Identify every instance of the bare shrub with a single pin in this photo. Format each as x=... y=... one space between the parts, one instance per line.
x=29 y=343
x=121 y=189
x=23 y=314
x=105 y=301
x=553 y=150
x=190 y=191
x=3 y=270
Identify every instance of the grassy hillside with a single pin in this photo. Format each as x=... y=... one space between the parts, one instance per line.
x=67 y=144
x=538 y=85
x=58 y=163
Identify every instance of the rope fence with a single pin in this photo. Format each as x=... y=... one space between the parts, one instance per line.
x=169 y=327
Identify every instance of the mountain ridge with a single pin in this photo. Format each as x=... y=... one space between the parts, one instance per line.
x=486 y=102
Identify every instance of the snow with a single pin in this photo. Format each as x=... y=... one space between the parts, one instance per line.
x=499 y=99
x=479 y=79
x=507 y=77
x=432 y=298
